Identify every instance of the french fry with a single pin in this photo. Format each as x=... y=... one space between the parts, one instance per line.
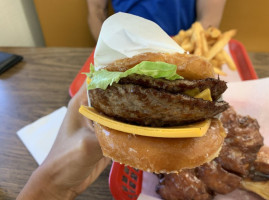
x=185 y=41
x=215 y=63
x=213 y=32
x=220 y=58
x=211 y=41
x=219 y=71
x=189 y=32
x=260 y=188
x=204 y=44
x=208 y=44
x=196 y=38
x=188 y=46
x=224 y=57
x=180 y=36
x=219 y=45
x=229 y=60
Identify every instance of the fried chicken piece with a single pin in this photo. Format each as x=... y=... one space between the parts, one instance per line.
x=261 y=164
x=218 y=179
x=242 y=143
x=183 y=186
x=236 y=163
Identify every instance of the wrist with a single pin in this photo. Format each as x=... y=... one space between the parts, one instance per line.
x=41 y=187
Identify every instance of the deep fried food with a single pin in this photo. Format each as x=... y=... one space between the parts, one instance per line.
x=207 y=43
x=184 y=185
x=232 y=169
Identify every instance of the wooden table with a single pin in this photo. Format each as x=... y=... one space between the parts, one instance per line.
x=36 y=87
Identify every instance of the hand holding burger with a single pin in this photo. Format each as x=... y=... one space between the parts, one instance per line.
x=74 y=162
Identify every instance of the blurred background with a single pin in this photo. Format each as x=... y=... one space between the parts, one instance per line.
x=63 y=23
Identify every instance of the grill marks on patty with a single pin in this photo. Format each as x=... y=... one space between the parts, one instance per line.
x=216 y=86
x=146 y=101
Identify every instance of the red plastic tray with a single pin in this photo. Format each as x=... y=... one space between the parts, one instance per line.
x=242 y=61
x=125 y=182
x=80 y=78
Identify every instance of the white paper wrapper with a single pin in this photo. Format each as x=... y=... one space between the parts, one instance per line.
x=125 y=35
x=39 y=136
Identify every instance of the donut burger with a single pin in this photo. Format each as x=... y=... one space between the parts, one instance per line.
x=159 y=91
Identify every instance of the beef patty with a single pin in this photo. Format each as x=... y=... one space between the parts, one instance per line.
x=216 y=86
x=147 y=101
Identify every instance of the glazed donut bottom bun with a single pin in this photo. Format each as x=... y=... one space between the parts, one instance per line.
x=161 y=155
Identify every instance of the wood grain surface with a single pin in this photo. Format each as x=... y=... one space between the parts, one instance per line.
x=36 y=87
x=260 y=62
x=31 y=89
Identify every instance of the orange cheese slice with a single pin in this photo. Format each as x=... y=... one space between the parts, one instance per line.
x=194 y=130
x=205 y=95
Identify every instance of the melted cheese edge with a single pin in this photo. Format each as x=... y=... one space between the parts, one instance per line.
x=192 y=130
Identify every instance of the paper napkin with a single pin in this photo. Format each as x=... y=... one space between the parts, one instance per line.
x=125 y=35
x=39 y=136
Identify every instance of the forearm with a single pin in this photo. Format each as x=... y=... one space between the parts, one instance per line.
x=209 y=12
x=40 y=186
x=73 y=163
x=97 y=13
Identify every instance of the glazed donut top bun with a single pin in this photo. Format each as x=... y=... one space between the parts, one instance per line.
x=191 y=67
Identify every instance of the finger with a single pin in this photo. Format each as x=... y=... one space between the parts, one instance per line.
x=73 y=118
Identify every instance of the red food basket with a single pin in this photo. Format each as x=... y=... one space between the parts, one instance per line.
x=242 y=61
x=126 y=182
x=80 y=78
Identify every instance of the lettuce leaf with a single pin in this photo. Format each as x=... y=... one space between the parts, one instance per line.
x=103 y=78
